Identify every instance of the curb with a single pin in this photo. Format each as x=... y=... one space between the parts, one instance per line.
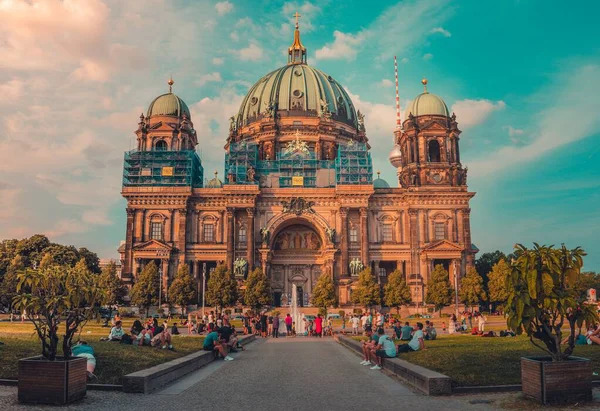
x=92 y=387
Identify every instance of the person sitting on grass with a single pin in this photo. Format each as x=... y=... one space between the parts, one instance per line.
x=116 y=333
x=416 y=343
x=406 y=334
x=212 y=343
x=82 y=349
x=136 y=328
x=143 y=338
x=175 y=330
x=430 y=332
x=385 y=348
x=367 y=347
x=162 y=339
x=397 y=329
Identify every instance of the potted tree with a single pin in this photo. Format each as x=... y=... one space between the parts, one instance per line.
x=544 y=301
x=58 y=300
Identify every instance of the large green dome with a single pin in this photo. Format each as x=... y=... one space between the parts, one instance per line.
x=427 y=104
x=297 y=88
x=168 y=104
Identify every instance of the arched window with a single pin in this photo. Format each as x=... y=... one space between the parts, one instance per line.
x=242 y=234
x=161 y=145
x=434 y=151
x=156 y=230
x=209 y=233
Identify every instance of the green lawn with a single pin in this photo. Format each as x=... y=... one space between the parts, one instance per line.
x=113 y=360
x=471 y=360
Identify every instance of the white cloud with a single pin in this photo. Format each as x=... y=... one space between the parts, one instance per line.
x=234 y=36
x=571 y=117
x=215 y=77
x=442 y=31
x=251 y=53
x=92 y=70
x=217 y=61
x=343 y=47
x=307 y=11
x=513 y=133
x=11 y=90
x=404 y=60
x=470 y=113
x=427 y=56
x=385 y=83
x=224 y=7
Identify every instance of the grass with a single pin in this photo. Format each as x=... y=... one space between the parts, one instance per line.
x=113 y=360
x=470 y=360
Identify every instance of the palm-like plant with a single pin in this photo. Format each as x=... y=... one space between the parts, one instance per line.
x=543 y=297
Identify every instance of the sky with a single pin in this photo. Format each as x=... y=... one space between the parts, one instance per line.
x=521 y=76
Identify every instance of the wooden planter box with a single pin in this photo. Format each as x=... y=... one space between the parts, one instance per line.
x=564 y=382
x=52 y=382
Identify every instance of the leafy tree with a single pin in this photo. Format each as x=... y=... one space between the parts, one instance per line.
x=366 y=292
x=62 y=254
x=396 y=293
x=9 y=284
x=543 y=297
x=182 y=289
x=497 y=290
x=588 y=280
x=144 y=292
x=32 y=249
x=221 y=289
x=258 y=289
x=8 y=251
x=439 y=290
x=55 y=295
x=47 y=261
x=323 y=295
x=485 y=263
x=91 y=259
x=111 y=285
x=471 y=288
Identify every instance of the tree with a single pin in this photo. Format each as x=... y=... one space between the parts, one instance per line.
x=111 y=285
x=497 y=290
x=471 y=290
x=396 y=293
x=439 y=290
x=485 y=263
x=258 y=289
x=366 y=292
x=32 y=249
x=54 y=295
x=8 y=251
x=91 y=259
x=182 y=289
x=62 y=254
x=323 y=294
x=588 y=280
x=543 y=296
x=144 y=292
x=9 y=284
x=221 y=289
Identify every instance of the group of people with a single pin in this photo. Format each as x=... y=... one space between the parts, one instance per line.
x=363 y=323
x=379 y=345
x=222 y=341
x=466 y=323
x=150 y=334
x=265 y=325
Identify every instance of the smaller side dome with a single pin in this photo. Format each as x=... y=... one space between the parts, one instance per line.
x=168 y=105
x=427 y=104
x=380 y=182
x=395 y=156
x=215 y=182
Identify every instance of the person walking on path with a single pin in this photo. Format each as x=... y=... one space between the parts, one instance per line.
x=319 y=325
x=276 y=326
x=355 y=322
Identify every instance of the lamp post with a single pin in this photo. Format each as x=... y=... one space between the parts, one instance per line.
x=456 y=273
x=203 y=286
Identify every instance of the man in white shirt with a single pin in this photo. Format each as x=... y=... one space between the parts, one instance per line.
x=355 y=322
x=416 y=343
x=363 y=321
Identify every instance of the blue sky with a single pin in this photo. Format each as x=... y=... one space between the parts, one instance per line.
x=522 y=77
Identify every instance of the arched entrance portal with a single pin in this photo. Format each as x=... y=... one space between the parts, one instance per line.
x=297 y=258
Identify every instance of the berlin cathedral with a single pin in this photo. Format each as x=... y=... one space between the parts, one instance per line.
x=297 y=196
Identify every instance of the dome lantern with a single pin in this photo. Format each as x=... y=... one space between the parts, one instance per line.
x=297 y=52
x=168 y=104
x=427 y=104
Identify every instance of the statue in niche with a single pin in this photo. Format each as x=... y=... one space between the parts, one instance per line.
x=330 y=234
x=315 y=242
x=298 y=241
x=250 y=174
x=330 y=151
x=232 y=126
x=308 y=241
x=285 y=241
x=265 y=235
x=268 y=151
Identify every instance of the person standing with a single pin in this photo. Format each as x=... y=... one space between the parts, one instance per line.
x=355 y=322
x=482 y=320
x=319 y=325
x=263 y=324
x=288 y=325
x=276 y=326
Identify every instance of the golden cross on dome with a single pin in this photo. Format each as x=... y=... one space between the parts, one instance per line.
x=297 y=16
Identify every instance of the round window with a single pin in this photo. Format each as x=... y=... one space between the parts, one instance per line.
x=298 y=72
x=437 y=178
x=297 y=93
x=330 y=78
x=254 y=100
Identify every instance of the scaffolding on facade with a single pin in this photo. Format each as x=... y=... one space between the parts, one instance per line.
x=162 y=168
x=353 y=164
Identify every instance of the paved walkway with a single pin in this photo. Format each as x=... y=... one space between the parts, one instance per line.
x=277 y=374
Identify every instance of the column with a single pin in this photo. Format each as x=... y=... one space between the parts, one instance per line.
x=460 y=226
x=165 y=278
x=221 y=227
x=136 y=264
x=250 y=239
x=422 y=227
x=139 y=223
x=400 y=228
x=414 y=241
x=344 y=240
x=181 y=233
x=467 y=229
x=127 y=262
x=230 y=236
x=364 y=252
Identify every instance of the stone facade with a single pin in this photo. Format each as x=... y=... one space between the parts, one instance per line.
x=299 y=231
